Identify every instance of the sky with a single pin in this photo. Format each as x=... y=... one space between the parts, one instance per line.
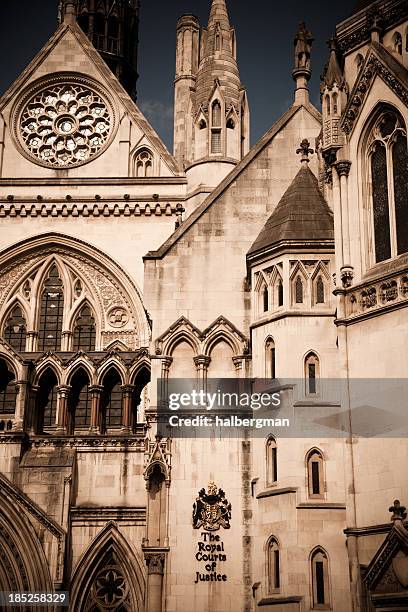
x=265 y=32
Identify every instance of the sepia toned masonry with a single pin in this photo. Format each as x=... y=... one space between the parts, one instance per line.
x=123 y=265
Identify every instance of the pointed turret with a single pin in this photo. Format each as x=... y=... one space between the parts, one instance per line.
x=218 y=61
x=214 y=107
x=302 y=217
x=334 y=99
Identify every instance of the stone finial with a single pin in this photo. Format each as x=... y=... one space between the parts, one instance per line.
x=398 y=511
x=69 y=12
x=375 y=24
x=305 y=150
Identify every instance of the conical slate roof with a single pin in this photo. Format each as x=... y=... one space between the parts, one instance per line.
x=302 y=215
x=333 y=73
x=218 y=65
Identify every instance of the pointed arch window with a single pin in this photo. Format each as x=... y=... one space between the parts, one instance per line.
x=51 y=312
x=312 y=373
x=335 y=103
x=271 y=461
x=327 y=101
x=216 y=114
x=265 y=299
x=112 y=401
x=8 y=389
x=388 y=165
x=80 y=402
x=280 y=293
x=99 y=31
x=273 y=565
x=84 y=330
x=299 y=290
x=270 y=359
x=144 y=164
x=47 y=400
x=320 y=291
x=15 y=329
x=320 y=579
x=397 y=43
x=113 y=35
x=315 y=474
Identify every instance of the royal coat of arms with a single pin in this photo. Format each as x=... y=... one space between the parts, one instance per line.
x=211 y=510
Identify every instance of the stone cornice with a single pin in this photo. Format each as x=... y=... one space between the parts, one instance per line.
x=87 y=208
x=84 y=181
x=88 y=514
x=355 y=31
x=275 y=492
x=93 y=443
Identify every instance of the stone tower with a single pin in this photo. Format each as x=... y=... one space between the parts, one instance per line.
x=113 y=27
x=211 y=123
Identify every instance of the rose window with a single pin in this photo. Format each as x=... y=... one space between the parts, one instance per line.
x=65 y=124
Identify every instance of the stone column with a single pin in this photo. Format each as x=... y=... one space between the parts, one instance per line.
x=96 y=392
x=155 y=571
x=21 y=401
x=346 y=270
x=338 y=224
x=62 y=409
x=201 y=363
x=32 y=416
x=32 y=341
x=165 y=367
x=127 y=397
x=66 y=340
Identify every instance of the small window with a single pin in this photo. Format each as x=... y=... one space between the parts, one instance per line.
x=273 y=565
x=397 y=43
x=335 y=103
x=320 y=579
x=327 y=100
x=217 y=42
x=230 y=124
x=216 y=141
x=202 y=125
x=271 y=461
x=280 y=293
x=15 y=330
x=144 y=164
x=320 y=291
x=312 y=374
x=315 y=475
x=359 y=60
x=216 y=114
x=270 y=359
x=299 y=291
x=265 y=299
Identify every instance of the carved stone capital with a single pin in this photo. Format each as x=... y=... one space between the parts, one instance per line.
x=343 y=167
x=95 y=390
x=155 y=562
x=202 y=361
x=64 y=390
x=128 y=390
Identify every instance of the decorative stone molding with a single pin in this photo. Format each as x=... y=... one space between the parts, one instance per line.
x=202 y=341
x=90 y=443
x=64 y=121
x=377 y=295
x=358 y=32
x=65 y=208
x=373 y=67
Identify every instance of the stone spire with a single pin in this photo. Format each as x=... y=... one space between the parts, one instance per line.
x=218 y=63
x=333 y=74
x=302 y=70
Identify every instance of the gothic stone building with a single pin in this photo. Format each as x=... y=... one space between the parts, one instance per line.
x=122 y=264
